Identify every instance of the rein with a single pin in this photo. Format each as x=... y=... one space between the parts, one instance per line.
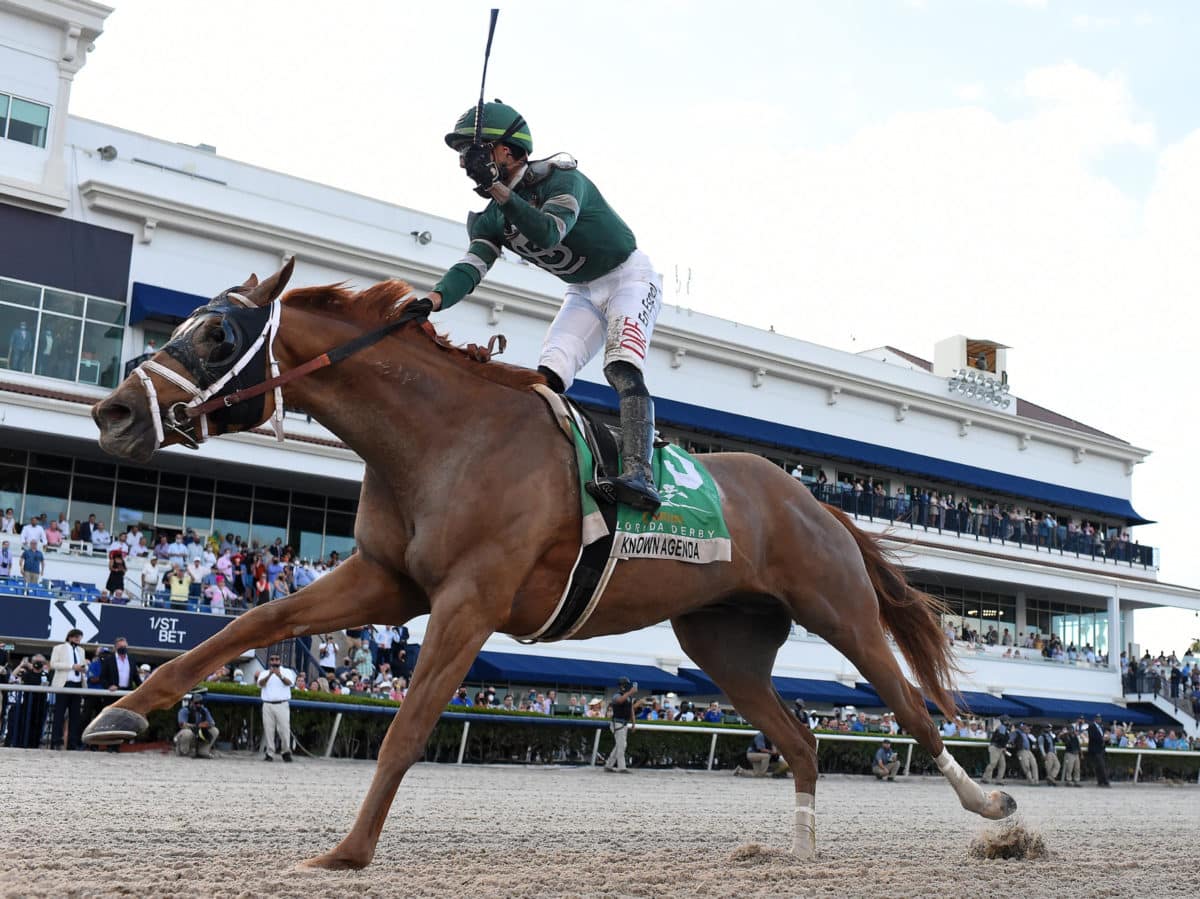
x=180 y=418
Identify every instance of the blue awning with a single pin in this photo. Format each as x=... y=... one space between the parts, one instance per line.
x=755 y=430
x=812 y=690
x=974 y=702
x=514 y=667
x=162 y=304
x=1063 y=709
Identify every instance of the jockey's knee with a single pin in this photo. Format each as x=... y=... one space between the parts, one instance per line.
x=626 y=378
x=553 y=381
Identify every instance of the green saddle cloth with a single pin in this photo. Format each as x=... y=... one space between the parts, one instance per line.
x=688 y=527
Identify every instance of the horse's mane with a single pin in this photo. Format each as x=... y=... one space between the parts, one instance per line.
x=380 y=303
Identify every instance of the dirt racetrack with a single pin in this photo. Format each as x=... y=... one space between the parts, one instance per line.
x=148 y=825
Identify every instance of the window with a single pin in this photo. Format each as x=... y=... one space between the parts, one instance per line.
x=26 y=122
x=60 y=334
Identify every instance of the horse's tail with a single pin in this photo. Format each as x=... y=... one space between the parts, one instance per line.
x=911 y=617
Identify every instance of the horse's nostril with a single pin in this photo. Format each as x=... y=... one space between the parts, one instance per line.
x=113 y=413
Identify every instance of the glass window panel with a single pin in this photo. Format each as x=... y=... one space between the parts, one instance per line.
x=97 y=469
x=170 y=479
x=47 y=494
x=21 y=294
x=170 y=508
x=234 y=488
x=138 y=475
x=105 y=311
x=200 y=485
x=337 y=504
x=18 y=330
x=199 y=509
x=270 y=522
x=270 y=494
x=57 y=347
x=27 y=122
x=91 y=496
x=62 y=301
x=307 y=528
x=46 y=460
x=339 y=534
x=230 y=516
x=313 y=500
x=12 y=488
x=135 y=505
x=9 y=456
x=100 y=361
x=4 y=98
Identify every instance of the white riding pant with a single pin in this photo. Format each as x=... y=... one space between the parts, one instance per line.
x=617 y=311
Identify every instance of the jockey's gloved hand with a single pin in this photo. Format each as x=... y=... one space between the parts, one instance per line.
x=421 y=307
x=480 y=168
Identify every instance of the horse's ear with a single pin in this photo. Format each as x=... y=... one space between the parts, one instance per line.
x=249 y=284
x=271 y=288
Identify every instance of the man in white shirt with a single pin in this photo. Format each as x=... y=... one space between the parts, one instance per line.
x=67 y=666
x=8 y=524
x=132 y=538
x=327 y=652
x=276 y=686
x=101 y=539
x=33 y=531
x=150 y=578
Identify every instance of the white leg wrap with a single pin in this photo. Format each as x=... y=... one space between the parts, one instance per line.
x=970 y=794
x=804 y=836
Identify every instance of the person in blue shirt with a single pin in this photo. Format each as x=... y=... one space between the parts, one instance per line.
x=32 y=563
x=197 y=731
x=759 y=755
x=886 y=764
x=461 y=698
x=713 y=714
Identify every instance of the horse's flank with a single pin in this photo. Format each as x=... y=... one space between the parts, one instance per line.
x=380 y=303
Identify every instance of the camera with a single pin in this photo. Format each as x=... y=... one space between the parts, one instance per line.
x=37 y=666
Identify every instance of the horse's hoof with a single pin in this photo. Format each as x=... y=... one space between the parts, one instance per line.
x=114 y=725
x=334 y=861
x=999 y=805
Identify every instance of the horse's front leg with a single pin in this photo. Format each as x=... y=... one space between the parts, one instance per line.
x=355 y=592
x=458 y=626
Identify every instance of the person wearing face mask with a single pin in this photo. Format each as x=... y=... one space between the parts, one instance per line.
x=119 y=671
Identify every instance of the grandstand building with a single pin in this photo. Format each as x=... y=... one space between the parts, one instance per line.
x=110 y=238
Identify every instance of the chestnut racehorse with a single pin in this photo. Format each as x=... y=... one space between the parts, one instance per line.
x=470 y=512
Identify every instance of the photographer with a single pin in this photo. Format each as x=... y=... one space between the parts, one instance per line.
x=27 y=718
x=621 y=710
x=197 y=731
x=886 y=763
x=276 y=686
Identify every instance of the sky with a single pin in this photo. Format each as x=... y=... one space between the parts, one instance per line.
x=854 y=174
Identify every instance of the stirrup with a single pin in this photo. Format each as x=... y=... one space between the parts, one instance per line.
x=633 y=491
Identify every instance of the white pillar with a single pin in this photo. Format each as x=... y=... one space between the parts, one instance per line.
x=1116 y=639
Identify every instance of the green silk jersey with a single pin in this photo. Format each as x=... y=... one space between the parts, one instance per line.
x=558 y=221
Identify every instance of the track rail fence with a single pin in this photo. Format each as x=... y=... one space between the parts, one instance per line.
x=338 y=710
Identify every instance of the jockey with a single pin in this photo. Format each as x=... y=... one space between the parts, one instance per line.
x=549 y=213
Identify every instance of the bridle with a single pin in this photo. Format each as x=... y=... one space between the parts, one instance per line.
x=218 y=387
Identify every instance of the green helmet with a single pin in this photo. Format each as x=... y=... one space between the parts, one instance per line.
x=498 y=118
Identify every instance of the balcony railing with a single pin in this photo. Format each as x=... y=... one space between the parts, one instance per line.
x=903 y=511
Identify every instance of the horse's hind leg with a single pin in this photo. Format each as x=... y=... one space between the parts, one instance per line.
x=864 y=644
x=736 y=647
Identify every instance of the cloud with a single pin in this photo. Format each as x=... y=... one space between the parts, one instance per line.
x=971 y=93
x=1084 y=22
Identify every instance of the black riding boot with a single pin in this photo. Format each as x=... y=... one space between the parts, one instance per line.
x=635 y=486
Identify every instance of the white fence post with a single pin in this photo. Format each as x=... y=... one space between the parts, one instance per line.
x=712 y=750
x=596 y=747
x=462 y=746
x=337 y=722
